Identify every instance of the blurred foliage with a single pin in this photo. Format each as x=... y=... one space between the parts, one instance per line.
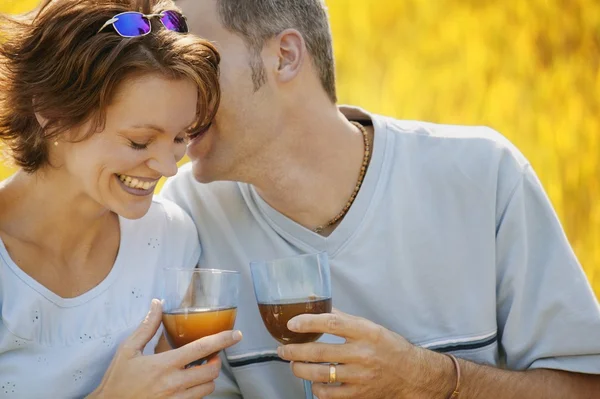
x=529 y=69
x=17 y=6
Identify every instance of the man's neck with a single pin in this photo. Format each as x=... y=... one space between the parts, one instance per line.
x=313 y=174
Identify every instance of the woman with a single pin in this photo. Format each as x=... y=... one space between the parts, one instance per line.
x=98 y=99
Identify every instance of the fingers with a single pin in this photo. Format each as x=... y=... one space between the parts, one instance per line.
x=319 y=352
x=144 y=333
x=197 y=392
x=214 y=359
x=162 y=345
x=338 y=323
x=324 y=391
x=200 y=375
x=194 y=379
x=202 y=348
x=345 y=373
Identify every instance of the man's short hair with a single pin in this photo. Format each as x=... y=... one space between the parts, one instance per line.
x=256 y=21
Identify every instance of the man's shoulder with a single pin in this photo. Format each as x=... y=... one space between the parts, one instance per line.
x=182 y=181
x=454 y=141
x=478 y=140
x=443 y=142
x=202 y=200
x=184 y=186
x=457 y=154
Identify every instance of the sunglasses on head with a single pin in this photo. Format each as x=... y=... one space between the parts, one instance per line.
x=133 y=23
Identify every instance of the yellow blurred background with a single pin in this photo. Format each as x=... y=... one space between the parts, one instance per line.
x=529 y=69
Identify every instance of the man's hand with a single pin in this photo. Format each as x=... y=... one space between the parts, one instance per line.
x=373 y=362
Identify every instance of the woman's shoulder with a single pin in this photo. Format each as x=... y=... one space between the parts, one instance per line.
x=166 y=225
x=165 y=215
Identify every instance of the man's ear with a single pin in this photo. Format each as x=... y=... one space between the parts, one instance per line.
x=291 y=54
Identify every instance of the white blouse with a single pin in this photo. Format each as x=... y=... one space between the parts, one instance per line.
x=55 y=347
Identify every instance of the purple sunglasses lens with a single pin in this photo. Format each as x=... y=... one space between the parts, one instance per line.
x=174 y=21
x=132 y=24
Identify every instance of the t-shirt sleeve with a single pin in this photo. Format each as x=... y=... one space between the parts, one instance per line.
x=548 y=316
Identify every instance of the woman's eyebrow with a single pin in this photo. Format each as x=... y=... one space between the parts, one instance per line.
x=149 y=126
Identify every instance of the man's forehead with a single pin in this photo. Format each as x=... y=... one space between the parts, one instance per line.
x=202 y=16
x=198 y=8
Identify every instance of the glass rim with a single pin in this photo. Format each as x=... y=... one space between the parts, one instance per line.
x=196 y=270
x=315 y=254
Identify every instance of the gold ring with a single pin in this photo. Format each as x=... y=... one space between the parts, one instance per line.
x=332 y=373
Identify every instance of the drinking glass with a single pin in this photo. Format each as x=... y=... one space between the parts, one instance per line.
x=288 y=287
x=198 y=303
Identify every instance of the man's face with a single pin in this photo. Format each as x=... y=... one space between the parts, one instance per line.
x=245 y=117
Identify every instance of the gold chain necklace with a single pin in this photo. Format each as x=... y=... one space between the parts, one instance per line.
x=361 y=177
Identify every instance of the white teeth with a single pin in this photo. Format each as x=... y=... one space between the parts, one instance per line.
x=135 y=183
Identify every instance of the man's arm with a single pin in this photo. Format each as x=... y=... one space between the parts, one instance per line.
x=479 y=381
x=548 y=318
x=376 y=363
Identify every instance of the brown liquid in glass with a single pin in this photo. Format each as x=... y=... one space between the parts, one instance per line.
x=276 y=315
x=183 y=326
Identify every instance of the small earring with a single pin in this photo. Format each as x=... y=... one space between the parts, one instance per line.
x=56 y=143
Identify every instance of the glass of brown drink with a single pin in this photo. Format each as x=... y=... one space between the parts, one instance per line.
x=288 y=287
x=198 y=303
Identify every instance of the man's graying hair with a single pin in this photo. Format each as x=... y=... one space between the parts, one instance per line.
x=256 y=21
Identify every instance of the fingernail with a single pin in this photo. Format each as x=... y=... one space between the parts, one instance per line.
x=154 y=305
x=292 y=325
x=280 y=351
x=237 y=335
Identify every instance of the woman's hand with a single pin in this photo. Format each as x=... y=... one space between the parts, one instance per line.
x=132 y=375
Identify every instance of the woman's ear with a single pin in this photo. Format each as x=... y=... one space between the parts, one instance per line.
x=41 y=120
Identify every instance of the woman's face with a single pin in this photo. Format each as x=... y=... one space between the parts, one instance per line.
x=143 y=139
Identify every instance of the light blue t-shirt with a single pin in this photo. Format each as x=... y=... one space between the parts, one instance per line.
x=59 y=348
x=451 y=243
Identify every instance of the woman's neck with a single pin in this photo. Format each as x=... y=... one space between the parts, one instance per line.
x=49 y=210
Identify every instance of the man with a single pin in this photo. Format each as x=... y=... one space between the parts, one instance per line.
x=448 y=243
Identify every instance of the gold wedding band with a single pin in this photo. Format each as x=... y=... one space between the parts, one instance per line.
x=332 y=373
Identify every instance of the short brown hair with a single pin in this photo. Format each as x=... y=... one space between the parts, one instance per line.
x=55 y=63
x=259 y=20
